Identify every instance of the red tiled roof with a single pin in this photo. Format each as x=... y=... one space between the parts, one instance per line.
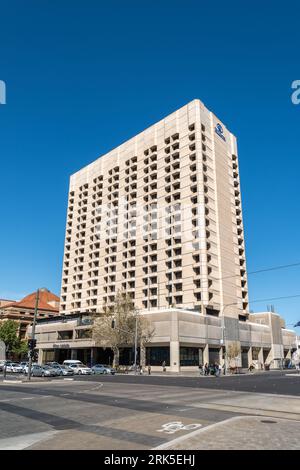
x=45 y=296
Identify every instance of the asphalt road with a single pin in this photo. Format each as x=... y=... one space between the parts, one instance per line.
x=127 y=412
x=277 y=382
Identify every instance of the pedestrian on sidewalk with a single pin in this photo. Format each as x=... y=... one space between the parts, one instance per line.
x=149 y=370
x=164 y=366
x=206 y=369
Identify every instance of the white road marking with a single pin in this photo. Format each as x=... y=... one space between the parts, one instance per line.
x=6 y=400
x=12 y=381
x=177 y=440
x=26 y=440
x=174 y=426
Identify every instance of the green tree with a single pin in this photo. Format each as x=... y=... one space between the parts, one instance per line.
x=9 y=334
x=21 y=349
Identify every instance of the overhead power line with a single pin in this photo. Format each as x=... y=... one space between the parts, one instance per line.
x=273 y=268
x=274 y=298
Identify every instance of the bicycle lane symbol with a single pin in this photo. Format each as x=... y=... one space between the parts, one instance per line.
x=175 y=426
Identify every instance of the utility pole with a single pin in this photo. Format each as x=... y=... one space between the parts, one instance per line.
x=135 y=342
x=33 y=333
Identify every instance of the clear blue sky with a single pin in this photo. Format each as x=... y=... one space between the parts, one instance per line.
x=84 y=76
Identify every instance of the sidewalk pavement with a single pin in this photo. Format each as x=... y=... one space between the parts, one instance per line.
x=241 y=433
x=196 y=373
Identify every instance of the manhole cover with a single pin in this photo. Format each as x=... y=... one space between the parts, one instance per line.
x=268 y=421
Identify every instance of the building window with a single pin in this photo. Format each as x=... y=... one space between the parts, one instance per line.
x=155 y=356
x=191 y=356
x=255 y=352
x=63 y=335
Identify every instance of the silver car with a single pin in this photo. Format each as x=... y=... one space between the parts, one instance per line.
x=49 y=371
x=37 y=371
x=64 y=370
x=103 y=369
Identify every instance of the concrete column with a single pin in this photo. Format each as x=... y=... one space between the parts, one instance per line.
x=261 y=357
x=174 y=356
x=174 y=344
x=40 y=356
x=206 y=355
x=221 y=360
x=250 y=356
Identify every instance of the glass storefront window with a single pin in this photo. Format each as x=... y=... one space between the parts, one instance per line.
x=156 y=355
x=190 y=356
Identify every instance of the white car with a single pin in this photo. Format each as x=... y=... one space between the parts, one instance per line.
x=14 y=367
x=80 y=369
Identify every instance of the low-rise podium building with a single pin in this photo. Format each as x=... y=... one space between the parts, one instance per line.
x=183 y=339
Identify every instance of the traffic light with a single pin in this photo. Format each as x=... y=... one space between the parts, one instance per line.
x=33 y=353
x=31 y=344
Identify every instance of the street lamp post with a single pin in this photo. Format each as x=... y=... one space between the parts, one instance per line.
x=33 y=333
x=135 y=341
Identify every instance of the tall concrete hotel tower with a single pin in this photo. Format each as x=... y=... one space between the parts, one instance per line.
x=160 y=217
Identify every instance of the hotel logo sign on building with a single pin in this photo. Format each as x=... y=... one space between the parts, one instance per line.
x=2 y=92
x=219 y=130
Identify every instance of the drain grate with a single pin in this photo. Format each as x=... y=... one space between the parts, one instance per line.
x=268 y=421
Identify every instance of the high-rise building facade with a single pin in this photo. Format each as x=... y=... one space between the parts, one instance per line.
x=160 y=218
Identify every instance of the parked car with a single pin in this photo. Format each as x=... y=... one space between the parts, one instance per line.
x=103 y=369
x=63 y=370
x=2 y=364
x=49 y=371
x=52 y=364
x=25 y=368
x=78 y=367
x=14 y=367
x=36 y=370
x=23 y=364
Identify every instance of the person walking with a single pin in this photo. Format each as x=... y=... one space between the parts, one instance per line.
x=149 y=370
x=164 y=366
x=206 y=369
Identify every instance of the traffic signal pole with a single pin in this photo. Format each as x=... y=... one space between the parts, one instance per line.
x=135 y=343
x=33 y=333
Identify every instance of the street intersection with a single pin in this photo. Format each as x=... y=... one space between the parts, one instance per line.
x=151 y=412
